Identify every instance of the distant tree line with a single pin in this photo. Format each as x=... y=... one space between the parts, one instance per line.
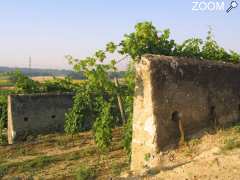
x=53 y=72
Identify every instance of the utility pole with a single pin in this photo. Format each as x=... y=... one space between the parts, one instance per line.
x=30 y=63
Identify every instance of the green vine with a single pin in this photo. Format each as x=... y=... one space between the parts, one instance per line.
x=99 y=109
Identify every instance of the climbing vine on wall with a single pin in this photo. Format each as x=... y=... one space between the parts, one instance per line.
x=92 y=103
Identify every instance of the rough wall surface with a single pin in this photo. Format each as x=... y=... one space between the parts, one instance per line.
x=37 y=113
x=201 y=91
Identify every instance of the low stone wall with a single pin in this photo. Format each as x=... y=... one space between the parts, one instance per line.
x=199 y=91
x=36 y=113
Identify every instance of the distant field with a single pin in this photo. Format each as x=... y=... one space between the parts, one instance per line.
x=45 y=78
x=41 y=79
x=78 y=81
x=5 y=82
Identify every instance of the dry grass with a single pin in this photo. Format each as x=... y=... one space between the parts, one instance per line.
x=41 y=79
x=59 y=156
x=6 y=83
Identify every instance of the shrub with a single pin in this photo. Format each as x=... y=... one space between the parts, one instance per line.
x=58 y=85
x=103 y=127
x=23 y=84
x=85 y=173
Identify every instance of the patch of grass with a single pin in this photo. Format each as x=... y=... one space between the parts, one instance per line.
x=2 y=161
x=5 y=92
x=3 y=139
x=3 y=170
x=37 y=163
x=230 y=144
x=28 y=166
x=192 y=146
x=73 y=156
x=194 y=142
x=237 y=128
x=189 y=151
x=62 y=142
x=85 y=173
x=116 y=170
x=147 y=156
x=6 y=83
x=83 y=153
x=18 y=151
x=118 y=167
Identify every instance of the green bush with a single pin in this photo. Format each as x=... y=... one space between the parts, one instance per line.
x=103 y=127
x=82 y=114
x=23 y=84
x=58 y=85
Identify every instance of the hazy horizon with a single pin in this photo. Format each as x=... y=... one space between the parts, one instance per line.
x=49 y=30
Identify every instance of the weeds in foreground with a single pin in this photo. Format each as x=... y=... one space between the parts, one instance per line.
x=192 y=146
x=230 y=144
x=3 y=170
x=37 y=163
x=233 y=139
x=237 y=128
x=27 y=166
x=19 y=150
x=85 y=173
x=3 y=139
x=117 y=168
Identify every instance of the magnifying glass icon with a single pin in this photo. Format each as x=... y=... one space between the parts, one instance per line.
x=233 y=4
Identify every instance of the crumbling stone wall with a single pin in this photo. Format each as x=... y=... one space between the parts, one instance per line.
x=36 y=113
x=200 y=91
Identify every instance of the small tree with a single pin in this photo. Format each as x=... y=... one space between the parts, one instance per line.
x=23 y=84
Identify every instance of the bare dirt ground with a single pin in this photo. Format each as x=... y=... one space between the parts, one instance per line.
x=205 y=156
x=214 y=156
x=58 y=156
x=7 y=88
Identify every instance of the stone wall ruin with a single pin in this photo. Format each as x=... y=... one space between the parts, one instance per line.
x=198 y=91
x=36 y=113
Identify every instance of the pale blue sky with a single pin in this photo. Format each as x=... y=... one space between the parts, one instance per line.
x=47 y=30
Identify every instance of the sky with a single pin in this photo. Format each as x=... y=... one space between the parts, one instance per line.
x=47 y=30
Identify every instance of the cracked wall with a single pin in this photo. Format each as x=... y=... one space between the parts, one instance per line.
x=196 y=89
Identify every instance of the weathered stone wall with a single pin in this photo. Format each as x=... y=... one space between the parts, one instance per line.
x=201 y=91
x=36 y=113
